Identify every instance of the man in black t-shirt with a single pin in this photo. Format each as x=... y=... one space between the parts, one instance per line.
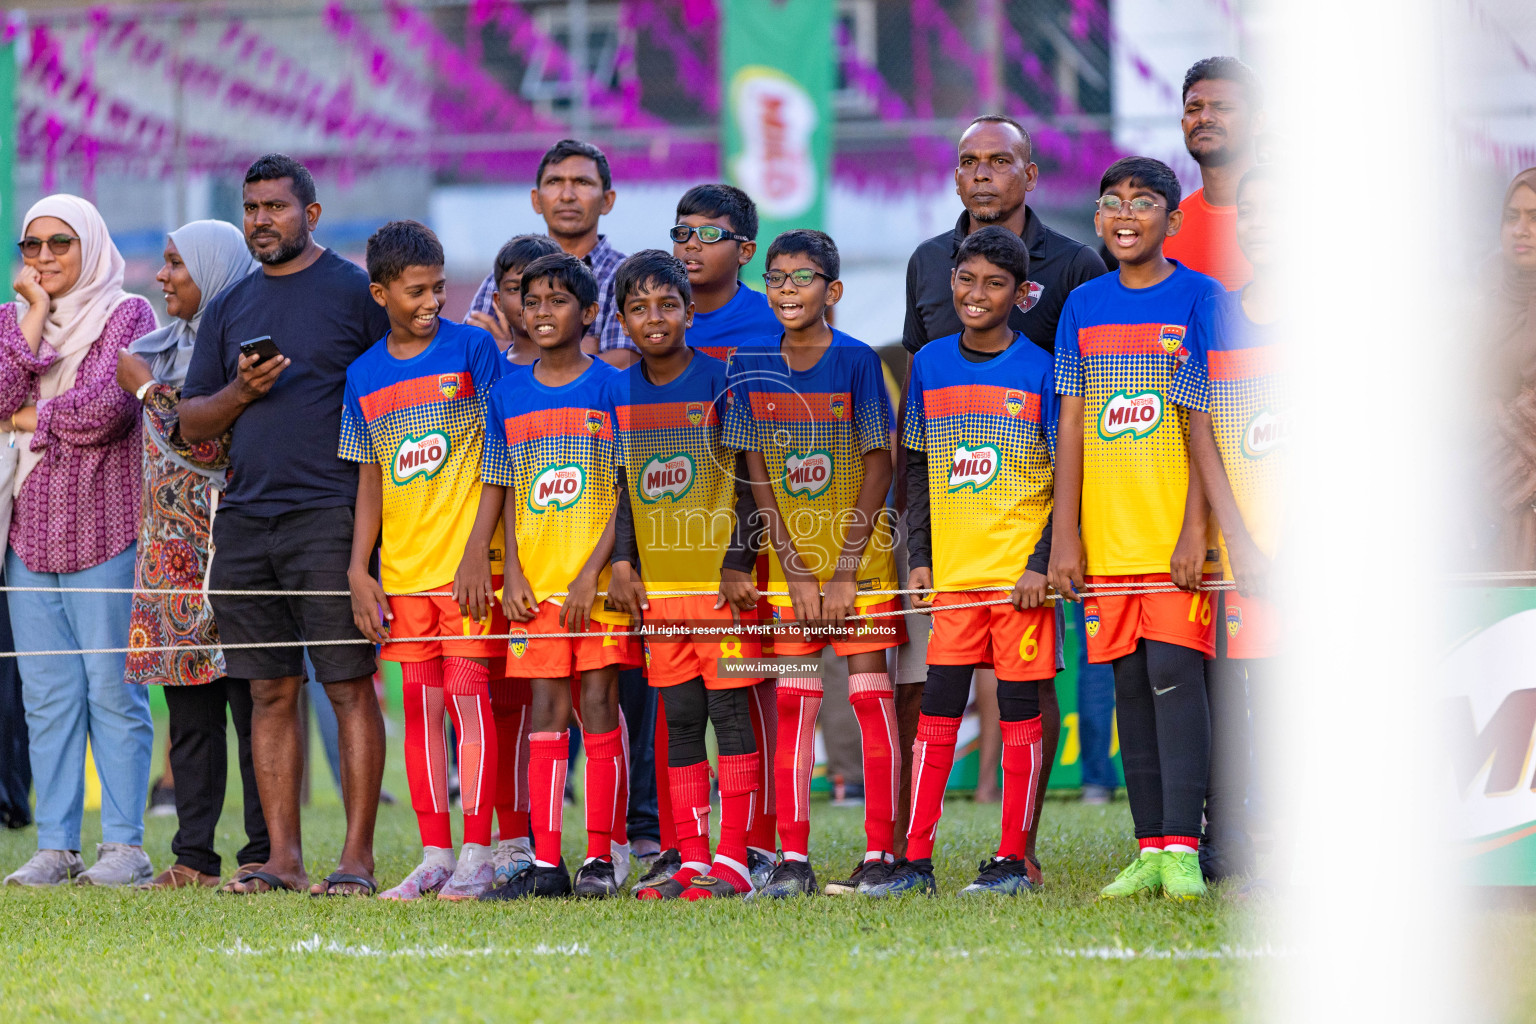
x=994 y=174
x=285 y=523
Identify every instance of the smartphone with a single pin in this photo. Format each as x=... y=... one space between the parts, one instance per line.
x=263 y=348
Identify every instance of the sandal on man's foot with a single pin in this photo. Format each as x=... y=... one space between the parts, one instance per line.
x=336 y=878
x=271 y=881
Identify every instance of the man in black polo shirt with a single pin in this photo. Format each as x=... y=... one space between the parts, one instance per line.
x=993 y=177
x=286 y=520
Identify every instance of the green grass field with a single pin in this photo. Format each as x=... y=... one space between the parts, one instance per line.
x=82 y=954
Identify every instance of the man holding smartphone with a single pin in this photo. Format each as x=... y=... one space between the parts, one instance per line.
x=269 y=367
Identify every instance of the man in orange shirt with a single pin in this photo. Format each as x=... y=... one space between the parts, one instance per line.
x=1223 y=112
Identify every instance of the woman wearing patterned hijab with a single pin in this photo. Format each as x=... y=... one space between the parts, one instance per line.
x=72 y=532
x=182 y=482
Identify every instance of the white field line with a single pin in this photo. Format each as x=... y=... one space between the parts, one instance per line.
x=316 y=945
x=1086 y=953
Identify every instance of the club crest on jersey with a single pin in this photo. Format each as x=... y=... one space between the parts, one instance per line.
x=1234 y=621
x=419 y=456
x=695 y=412
x=1171 y=337
x=671 y=477
x=1267 y=431
x=1135 y=413
x=1091 y=619
x=558 y=487
x=517 y=642
x=806 y=476
x=1032 y=299
x=838 y=406
x=1013 y=401
x=448 y=385
x=595 y=421
x=647 y=656
x=975 y=468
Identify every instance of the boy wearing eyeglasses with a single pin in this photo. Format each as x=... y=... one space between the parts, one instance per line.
x=810 y=411
x=715 y=236
x=1124 y=476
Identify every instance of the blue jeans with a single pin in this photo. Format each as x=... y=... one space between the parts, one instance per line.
x=638 y=699
x=69 y=697
x=1095 y=711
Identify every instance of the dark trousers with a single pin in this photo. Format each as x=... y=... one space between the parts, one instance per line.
x=1227 y=849
x=200 y=762
x=638 y=699
x=15 y=761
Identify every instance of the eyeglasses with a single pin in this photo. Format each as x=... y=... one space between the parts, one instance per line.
x=709 y=234
x=57 y=244
x=1140 y=206
x=801 y=277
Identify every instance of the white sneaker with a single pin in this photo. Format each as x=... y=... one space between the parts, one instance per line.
x=47 y=867
x=118 y=864
x=472 y=876
x=512 y=856
x=620 y=863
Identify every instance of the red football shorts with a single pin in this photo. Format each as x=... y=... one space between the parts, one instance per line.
x=1019 y=645
x=1252 y=625
x=531 y=657
x=703 y=636
x=863 y=635
x=1175 y=617
x=442 y=617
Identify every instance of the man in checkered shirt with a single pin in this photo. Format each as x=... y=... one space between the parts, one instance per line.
x=573 y=189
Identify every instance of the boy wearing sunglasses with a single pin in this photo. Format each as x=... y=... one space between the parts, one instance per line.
x=810 y=411
x=1124 y=477
x=715 y=236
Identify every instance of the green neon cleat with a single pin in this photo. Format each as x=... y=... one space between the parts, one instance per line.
x=1142 y=877
x=1181 y=875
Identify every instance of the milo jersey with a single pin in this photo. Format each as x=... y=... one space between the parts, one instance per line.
x=1118 y=349
x=681 y=478
x=1234 y=374
x=421 y=420
x=988 y=429
x=553 y=447
x=813 y=429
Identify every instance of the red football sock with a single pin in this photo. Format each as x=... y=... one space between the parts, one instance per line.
x=1186 y=844
x=933 y=755
x=605 y=757
x=511 y=700
x=690 y=814
x=426 y=750
x=1150 y=843
x=738 y=795
x=547 y=752
x=1021 y=774
x=874 y=702
x=663 y=778
x=763 y=705
x=620 y=831
x=799 y=702
x=466 y=685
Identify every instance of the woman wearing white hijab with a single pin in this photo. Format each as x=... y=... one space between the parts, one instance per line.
x=73 y=527
x=181 y=485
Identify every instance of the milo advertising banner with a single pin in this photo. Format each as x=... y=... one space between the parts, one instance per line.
x=1490 y=718
x=777 y=63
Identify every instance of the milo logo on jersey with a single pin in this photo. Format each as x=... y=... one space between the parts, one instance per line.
x=1135 y=413
x=975 y=468
x=806 y=476
x=419 y=456
x=671 y=477
x=558 y=487
x=1264 y=433
x=1234 y=621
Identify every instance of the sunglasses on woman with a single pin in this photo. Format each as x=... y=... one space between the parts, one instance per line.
x=709 y=234
x=57 y=244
